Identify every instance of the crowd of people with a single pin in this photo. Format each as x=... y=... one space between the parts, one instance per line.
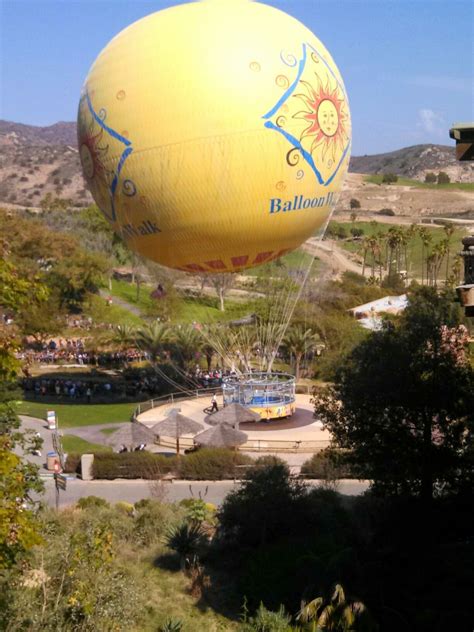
x=72 y=351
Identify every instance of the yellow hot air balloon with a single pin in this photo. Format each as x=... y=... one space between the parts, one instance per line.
x=215 y=135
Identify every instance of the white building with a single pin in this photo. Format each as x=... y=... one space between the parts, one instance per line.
x=370 y=314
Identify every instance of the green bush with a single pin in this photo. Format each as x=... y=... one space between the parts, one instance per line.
x=212 y=464
x=73 y=463
x=327 y=464
x=153 y=519
x=389 y=178
x=90 y=502
x=132 y=465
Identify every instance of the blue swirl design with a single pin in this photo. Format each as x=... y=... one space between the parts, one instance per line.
x=287 y=94
x=99 y=118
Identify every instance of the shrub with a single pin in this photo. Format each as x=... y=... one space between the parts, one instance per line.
x=354 y=203
x=430 y=177
x=357 y=232
x=91 y=502
x=386 y=211
x=443 y=178
x=212 y=464
x=389 y=178
x=132 y=465
x=153 y=519
x=327 y=464
x=73 y=464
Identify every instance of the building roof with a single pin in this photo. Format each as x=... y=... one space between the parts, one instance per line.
x=390 y=304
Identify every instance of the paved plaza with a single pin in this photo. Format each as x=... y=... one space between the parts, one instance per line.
x=300 y=433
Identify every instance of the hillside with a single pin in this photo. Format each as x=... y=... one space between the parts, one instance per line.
x=415 y=162
x=36 y=161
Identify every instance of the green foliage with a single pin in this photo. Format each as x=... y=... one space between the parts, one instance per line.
x=267 y=621
x=154 y=519
x=327 y=464
x=267 y=506
x=184 y=539
x=338 y=614
x=389 y=178
x=443 y=178
x=88 y=502
x=132 y=465
x=172 y=625
x=430 y=177
x=211 y=464
x=402 y=402
x=75 y=582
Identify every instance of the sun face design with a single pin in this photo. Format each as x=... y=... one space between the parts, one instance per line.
x=93 y=151
x=326 y=118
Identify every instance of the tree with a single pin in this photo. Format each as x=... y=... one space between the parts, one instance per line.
x=268 y=506
x=187 y=342
x=430 y=177
x=222 y=283
x=18 y=478
x=402 y=404
x=354 y=203
x=152 y=339
x=443 y=178
x=298 y=342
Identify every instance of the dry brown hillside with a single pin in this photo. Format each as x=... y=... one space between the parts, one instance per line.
x=37 y=161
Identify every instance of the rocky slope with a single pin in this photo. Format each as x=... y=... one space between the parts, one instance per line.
x=37 y=161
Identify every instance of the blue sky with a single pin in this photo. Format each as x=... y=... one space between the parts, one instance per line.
x=407 y=65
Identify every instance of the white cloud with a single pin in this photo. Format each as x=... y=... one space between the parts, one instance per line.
x=431 y=122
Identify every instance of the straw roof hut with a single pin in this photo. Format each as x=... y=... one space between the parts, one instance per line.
x=176 y=425
x=131 y=435
x=221 y=436
x=232 y=415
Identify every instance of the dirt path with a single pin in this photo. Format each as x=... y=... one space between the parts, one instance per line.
x=121 y=303
x=334 y=257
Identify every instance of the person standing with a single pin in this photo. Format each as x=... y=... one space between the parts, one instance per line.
x=214 y=407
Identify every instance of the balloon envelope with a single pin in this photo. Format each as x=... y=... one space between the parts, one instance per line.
x=215 y=135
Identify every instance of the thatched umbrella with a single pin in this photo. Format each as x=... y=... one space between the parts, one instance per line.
x=131 y=435
x=176 y=425
x=232 y=415
x=221 y=436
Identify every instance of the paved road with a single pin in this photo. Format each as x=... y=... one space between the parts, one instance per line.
x=132 y=491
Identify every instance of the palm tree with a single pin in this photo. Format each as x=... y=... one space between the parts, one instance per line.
x=299 y=341
x=338 y=615
x=187 y=342
x=152 y=339
x=449 y=230
x=426 y=239
x=123 y=336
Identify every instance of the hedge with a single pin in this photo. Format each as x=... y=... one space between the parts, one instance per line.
x=212 y=464
x=327 y=464
x=204 y=464
x=132 y=465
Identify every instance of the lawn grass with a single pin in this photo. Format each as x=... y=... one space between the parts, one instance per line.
x=71 y=443
x=101 y=313
x=463 y=186
x=75 y=415
x=414 y=248
x=296 y=260
x=190 y=309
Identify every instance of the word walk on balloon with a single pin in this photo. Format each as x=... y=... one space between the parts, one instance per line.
x=215 y=135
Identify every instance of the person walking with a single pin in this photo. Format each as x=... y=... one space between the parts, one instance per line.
x=214 y=407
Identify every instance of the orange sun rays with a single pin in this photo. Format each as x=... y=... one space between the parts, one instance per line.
x=326 y=118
